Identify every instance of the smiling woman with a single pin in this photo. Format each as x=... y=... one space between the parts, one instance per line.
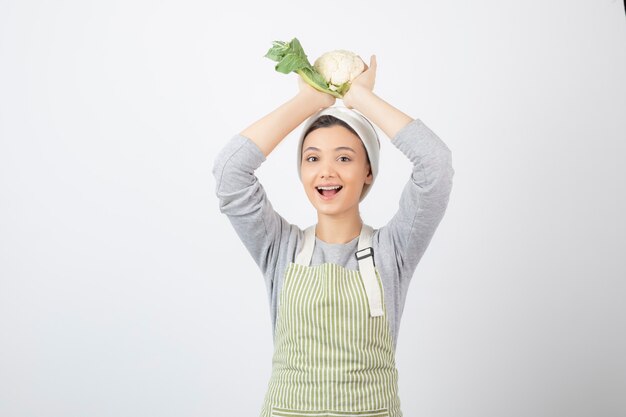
x=336 y=288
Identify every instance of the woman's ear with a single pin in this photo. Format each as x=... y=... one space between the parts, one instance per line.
x=370 y=176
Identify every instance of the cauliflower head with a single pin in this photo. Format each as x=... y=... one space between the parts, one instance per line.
x=339 y=68
x=332 y=72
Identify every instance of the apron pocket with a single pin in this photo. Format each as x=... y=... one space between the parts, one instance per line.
x=284 y=412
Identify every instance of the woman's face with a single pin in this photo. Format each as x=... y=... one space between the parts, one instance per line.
x=334 y=156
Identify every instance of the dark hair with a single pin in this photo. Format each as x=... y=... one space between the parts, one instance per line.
x=327 y=121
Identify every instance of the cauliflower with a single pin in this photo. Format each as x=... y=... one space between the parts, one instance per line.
x=339 y=67
x=332 y=73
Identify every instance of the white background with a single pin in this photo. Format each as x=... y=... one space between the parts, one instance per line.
x=125 y=292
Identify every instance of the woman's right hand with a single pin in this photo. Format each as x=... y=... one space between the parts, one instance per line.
x=319 y=98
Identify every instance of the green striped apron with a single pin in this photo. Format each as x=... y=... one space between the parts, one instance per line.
x=333 y=349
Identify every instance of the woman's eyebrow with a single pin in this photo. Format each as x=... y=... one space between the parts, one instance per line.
x=340 y=148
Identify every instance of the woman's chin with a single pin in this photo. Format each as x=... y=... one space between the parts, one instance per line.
x=330 y=209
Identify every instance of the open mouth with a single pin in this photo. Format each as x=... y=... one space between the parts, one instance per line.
x=329 y=192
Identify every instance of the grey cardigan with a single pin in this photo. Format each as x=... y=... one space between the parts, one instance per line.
x=398 y=246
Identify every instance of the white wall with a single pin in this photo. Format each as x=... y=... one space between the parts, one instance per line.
x=124 y=291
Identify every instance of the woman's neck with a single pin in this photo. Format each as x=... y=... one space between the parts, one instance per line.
x=338 y=228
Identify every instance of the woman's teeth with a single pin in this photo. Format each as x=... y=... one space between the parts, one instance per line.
x=329 y=191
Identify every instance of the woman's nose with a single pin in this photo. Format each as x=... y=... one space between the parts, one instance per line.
x=327 y=170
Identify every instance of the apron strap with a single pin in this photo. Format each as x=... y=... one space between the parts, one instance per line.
x=305 y=255
x=365 y=259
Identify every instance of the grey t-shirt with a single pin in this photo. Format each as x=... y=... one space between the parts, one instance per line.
x=398 y=246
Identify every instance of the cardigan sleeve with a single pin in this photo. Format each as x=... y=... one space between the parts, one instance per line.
x=243 y=199
x=424 y=198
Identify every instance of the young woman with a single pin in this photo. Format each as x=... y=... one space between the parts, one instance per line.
x=337 y=288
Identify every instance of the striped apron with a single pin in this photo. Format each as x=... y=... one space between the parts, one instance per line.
x=333 y=350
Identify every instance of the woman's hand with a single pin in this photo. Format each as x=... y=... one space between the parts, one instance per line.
x=363 y=83
x=318 y=99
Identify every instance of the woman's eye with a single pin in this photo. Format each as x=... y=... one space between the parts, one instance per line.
x=347 y=158
x=309 y=158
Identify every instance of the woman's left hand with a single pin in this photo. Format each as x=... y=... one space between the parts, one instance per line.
x=364 y=82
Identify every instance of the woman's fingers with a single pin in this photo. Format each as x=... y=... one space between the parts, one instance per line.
x=372 y=63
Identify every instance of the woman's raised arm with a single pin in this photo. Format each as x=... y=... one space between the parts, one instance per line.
x=360 y=96
x=426 y=194
x=270 y=130
x=241 y=196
